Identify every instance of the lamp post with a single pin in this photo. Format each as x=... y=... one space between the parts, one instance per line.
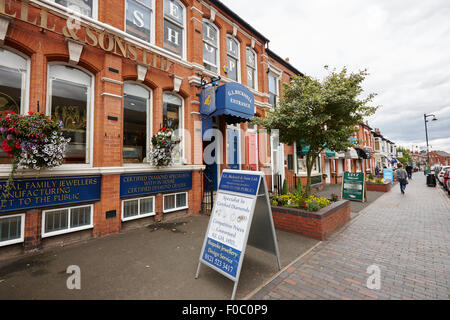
x=425 y=116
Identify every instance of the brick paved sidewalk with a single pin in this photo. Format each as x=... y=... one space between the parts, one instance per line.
x=406 y=236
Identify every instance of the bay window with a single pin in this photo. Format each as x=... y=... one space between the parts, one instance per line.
x=174 y=25
x=136 y=122
x=140 y=19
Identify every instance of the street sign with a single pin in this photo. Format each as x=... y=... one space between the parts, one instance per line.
x=354 y=186
x=241 y=215
x=388 y=174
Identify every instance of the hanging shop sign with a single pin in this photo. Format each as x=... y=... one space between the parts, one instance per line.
x=241 y=215
x=150 y=183
x=26 y=194
x=354 y=186
x=74 y=30
x=234 y=99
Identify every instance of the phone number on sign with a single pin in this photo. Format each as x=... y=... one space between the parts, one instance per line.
x=219 y=263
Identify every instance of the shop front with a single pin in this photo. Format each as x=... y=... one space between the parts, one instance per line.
x=111 y=93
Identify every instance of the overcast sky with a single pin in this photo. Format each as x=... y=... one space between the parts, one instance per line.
x=404 y=44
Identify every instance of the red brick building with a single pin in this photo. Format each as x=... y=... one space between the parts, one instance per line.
x=115 y=72
x=441 y=158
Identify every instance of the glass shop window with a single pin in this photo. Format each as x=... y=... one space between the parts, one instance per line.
x=70 y=102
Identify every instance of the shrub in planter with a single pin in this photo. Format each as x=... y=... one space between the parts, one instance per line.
x=33 y=141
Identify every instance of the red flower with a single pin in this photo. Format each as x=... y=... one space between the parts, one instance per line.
x=30 y=112
x=163 y=129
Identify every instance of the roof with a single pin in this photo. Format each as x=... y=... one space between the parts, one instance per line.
x=237 y=18
x=283 y=62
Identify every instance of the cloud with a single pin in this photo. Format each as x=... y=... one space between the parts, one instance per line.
x=404 y=46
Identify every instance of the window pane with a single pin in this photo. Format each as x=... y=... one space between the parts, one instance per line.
x=251 y=77
x=130 y=208
x=10 y=228
x=181 y=200
x=232 y=68
x=146 y=205
x=10 y=97
x=138 y=20
x=80 y=217
x=135 y=128
x=69 y=104
x=56 y=220
x=173 y=38
x=82 y=6
x=169 y=202
x=232 y=47
x=251 y=58
x=209 y=34
x=272 y=84
x=209 y=54
x=272 y=99
x=173 y=10
x=171 y=112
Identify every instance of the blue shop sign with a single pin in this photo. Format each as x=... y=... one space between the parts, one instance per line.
x=239 y=182
x=150 y=183
x=208 y=101
x=234 y=99
x=26 y=194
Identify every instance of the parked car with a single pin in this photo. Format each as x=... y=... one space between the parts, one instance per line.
x=448 y=185
x=446 y=178
x=441 y=174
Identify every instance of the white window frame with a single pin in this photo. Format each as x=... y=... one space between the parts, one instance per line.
x=24 y=108
x=176 y=208
x=182 y=26
x=238 y=57
x=139 y=215
x=22 y=230
x=94 y=9
x=149 y=118
x=152 y=24
x=181 y=129
x=69 y=229
x=255 y=68
x=277 y=77
x=216 y=46
x=90 y=114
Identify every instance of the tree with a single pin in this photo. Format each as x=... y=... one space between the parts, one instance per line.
x=319 y=114
x=406 y=158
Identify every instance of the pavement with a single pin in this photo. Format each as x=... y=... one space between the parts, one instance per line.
x=157 y=262
x=397 y=248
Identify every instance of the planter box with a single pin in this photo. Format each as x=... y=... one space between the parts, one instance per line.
x=317 y=225
x=380 y=187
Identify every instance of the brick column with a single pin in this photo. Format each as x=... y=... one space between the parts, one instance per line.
x=32 y=237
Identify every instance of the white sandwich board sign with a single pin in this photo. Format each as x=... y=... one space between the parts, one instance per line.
x=241 y=215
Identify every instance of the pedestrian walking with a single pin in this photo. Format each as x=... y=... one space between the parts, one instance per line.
x=409 y=170
x=402 y=176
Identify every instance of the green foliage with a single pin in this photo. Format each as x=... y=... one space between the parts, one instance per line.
x=406 y=156
x=301 y=201
x=285 y=189
x=320 y=113
x=371 y=177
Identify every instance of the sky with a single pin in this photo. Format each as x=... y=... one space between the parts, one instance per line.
x=404 y=45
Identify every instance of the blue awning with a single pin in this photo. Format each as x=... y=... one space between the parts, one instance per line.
x=235 y=102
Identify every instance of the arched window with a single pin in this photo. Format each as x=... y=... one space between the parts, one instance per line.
x=87 y=8
x=252 y=75
x=70 y=101
x=174 y=25
x=233 y=58
x=13 y=86
x=173 y=119
x=136 y=122
x=211 y=47
x=140 y=19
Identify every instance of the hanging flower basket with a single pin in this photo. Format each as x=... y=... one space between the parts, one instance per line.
x=163 y=145
x=33 y=141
